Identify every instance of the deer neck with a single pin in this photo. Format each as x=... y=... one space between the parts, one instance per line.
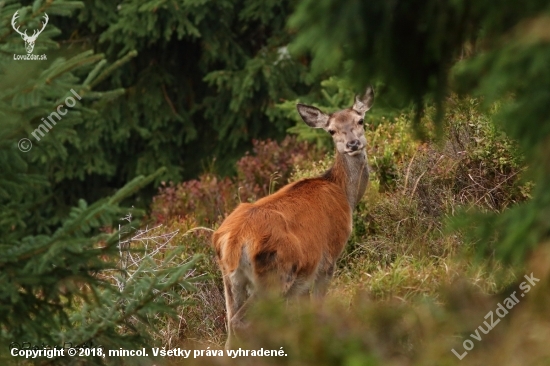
x=351 y=173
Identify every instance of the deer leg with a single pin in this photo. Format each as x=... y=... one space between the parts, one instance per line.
x=235 y=298
x=237 y=320
x=322 y=282
x=229 y=308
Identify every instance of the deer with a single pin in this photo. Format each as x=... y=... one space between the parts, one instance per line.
x=288 y=243
x=29 y=40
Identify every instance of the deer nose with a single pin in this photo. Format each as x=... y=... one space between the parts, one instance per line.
x=353 y=145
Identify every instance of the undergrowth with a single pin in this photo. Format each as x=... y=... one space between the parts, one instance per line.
x=400 y=251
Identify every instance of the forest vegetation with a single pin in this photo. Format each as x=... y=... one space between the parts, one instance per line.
x=188 y=108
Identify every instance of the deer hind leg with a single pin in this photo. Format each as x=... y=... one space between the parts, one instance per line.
x=264 y=287
x=236 y=298
x=229 y=309
x=237 y=286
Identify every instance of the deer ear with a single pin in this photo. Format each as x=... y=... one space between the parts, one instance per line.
x=312 y=116
x=364 y=103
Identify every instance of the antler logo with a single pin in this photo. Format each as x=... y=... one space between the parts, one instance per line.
x=29 y=40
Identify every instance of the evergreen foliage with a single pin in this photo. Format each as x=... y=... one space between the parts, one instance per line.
x=187 y=81
x=205 y=78
x=52 y=259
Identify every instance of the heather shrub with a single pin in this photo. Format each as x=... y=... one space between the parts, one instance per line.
x=270 y=165
x=206 y=199
x=210 y=198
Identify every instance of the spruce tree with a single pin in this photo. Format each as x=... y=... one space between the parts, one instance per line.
x=54 y=290
x=190 y=83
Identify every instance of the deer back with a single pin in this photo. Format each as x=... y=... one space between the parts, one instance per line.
x=299 y=228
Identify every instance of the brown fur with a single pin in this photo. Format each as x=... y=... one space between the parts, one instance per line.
x=300 y=216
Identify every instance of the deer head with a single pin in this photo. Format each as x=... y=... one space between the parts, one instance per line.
x=345 y=126
x=29 y=40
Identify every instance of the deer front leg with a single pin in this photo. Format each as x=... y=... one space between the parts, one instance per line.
x=322 y=282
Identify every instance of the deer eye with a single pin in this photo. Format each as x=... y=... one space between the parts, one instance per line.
x=332 y=132
x=361 y=121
